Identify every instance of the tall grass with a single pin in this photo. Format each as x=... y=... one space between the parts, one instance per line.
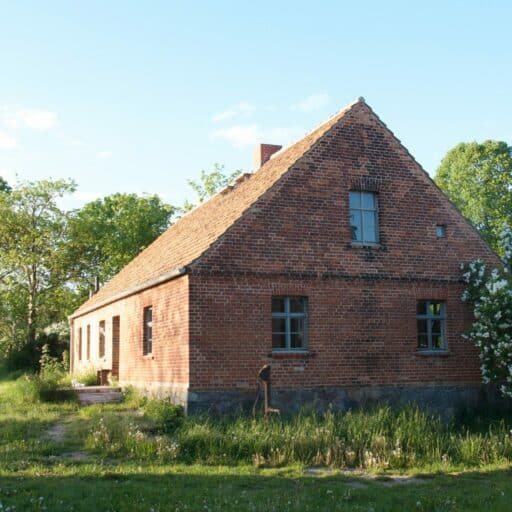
x=377 y=439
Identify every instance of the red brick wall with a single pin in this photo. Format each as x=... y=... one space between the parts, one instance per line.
x=169 y=361
x=360 y=332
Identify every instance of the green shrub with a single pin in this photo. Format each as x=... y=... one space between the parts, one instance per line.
x=29 y=389
x=166 y=416
x=87 y=377
x=133 y=398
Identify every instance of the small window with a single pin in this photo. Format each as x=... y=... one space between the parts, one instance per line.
x=79 y=343
x=88 y=343
x=147 y=347
x=364 y=216
x=289 y=323
x=431 y=325
x=440 y=231
x=101 y=339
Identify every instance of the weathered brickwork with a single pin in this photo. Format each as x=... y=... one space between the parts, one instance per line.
x=212 y=327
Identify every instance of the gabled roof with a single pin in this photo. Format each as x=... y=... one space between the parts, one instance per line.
x=195 y=232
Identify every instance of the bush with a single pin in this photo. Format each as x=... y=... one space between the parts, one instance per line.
x=166 y=416
x=490 y=293
x=87 y=377
x=133 y=398
x=29 y=389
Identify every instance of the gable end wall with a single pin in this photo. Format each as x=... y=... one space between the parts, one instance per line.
x=296 y=240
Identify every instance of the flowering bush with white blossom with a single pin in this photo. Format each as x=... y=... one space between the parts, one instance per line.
x=490 y=293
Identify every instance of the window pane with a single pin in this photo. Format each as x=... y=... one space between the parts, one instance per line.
x=278 y=340
x=297 y=340
x=297 y=325
x=355 y=199
x=296 y=305
x=422 y=326
x=355 y=224
x=369 y=226
x=435 y=308
x=437 y=341
x=440 y=231
x=278 y=325
x=278 y=304
x=436 y=326
x=421 y=308
x=368 y=200
x=422 y=341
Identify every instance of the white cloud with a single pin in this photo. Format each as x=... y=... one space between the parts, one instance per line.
x=7 y=142
x=35 y=119
x=104 y=154
x=249 y=135
x=312 y=103
x=242 y=109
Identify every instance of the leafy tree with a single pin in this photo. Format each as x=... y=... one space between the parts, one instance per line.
x=477 y=178
x=107 y=233
x=33 y=233
x=210 y=183
x=490 y=293
x=4 y=186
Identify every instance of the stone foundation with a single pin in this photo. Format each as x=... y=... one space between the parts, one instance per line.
x=440 y=399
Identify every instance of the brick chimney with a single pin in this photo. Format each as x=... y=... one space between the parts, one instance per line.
x=262 y=154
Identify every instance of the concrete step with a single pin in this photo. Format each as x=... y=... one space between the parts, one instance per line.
x=98 y=395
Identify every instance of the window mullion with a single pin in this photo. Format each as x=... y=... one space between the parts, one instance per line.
x=429 y=326
x=287 y=323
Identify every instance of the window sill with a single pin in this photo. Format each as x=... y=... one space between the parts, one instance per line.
x=433 y=353
x=148 y=356
x=290 y=354
x=365 y=245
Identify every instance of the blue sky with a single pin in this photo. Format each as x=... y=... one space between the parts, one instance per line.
x=140 y=96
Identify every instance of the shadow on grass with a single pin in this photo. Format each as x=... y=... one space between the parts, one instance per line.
x=150 y=488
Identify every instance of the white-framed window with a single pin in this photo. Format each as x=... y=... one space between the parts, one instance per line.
x=289 y=323
x=101 y=338
x=364 y=217
x=431 y=324
x=147 y=337
x=79 y=343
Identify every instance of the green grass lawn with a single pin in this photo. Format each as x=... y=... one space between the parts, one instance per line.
x=66 y=473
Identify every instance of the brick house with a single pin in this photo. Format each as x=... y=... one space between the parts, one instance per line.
x=337 y=262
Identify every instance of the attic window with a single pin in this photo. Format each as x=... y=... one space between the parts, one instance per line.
x=441 y=231
x=364 y=216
